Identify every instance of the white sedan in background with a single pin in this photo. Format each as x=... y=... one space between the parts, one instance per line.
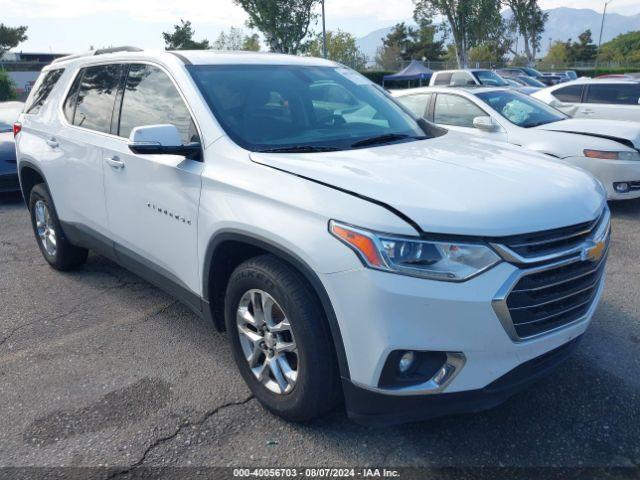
x=607 y=98
x=609 y=150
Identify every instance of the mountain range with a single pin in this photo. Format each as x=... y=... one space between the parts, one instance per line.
x=563 y=23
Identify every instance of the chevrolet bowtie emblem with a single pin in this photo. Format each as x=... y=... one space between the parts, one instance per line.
x=594 y=252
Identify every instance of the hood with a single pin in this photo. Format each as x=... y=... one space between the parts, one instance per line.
x=627 y=133
x=456 y=184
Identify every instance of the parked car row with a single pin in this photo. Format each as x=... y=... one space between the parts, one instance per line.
x=608 y=149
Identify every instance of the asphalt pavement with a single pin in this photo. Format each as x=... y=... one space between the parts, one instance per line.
x=97 y=367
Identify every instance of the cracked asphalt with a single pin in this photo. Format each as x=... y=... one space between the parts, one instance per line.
x=99 y=368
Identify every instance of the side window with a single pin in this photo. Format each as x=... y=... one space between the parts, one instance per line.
x=455 y=110
x=417 y=104
x=151 y=98
x=69 y=106
x=570 y=94
x=42 y=90
x=461 y=79
x=442 y=79
x=96 y=97
x=618 y=94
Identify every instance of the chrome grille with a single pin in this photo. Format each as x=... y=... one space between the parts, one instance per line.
x=540 y=246
x=556 y=292
x=551 y=298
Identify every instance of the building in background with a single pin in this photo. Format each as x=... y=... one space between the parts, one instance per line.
x=23 y=68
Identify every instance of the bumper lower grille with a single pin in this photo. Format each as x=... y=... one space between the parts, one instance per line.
x=634 y=186
x=552 y=298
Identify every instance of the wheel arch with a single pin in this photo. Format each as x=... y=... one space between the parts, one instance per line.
x=30 y=175
x=217 y=270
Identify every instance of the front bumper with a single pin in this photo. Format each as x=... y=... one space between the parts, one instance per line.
x=371 y=408
x=379 y=313
x=610 y=172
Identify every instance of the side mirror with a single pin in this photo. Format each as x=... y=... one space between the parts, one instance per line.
x=162 y=140
x=485 y=124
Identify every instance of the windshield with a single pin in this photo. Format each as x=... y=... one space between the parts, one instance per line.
x=532 y=82
x=492 y=79
x=521 y=110
x=532 y=72
x=302 y=108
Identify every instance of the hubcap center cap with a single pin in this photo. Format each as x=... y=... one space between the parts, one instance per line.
x=269 y=340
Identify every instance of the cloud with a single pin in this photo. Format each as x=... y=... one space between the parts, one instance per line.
x=218 y=11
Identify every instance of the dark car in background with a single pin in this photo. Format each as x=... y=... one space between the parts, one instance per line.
x=511 y=72
x=9 y=112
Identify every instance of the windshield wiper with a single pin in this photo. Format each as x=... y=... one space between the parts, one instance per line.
x=386 y=138
x=300 y=149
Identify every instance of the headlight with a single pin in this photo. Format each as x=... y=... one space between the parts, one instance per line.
x=606 y=155
x=452 y=262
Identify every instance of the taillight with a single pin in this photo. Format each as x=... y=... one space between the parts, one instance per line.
x=17 y=126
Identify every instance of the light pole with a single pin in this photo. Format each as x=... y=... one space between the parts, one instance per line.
x=324 y=34
x=604 y=13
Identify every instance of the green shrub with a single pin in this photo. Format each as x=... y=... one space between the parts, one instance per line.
x=7 y=89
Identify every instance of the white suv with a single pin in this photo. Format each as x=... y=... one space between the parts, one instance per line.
x=350 y=251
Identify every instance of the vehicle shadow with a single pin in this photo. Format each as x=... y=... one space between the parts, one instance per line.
x=626 y=208
x=10 y=198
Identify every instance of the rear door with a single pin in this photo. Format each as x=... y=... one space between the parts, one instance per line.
x=615 y=101
x=77 y=173
x=152 y=200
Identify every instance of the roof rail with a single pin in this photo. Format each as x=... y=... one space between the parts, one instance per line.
x=101 y=51
x=124 y=48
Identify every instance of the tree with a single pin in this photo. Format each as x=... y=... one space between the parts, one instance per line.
x=558 y=54
x=389 y=57
x=624 y=48
x=584 y=50
x=404 y=43
x=182 y=38
x=11 y=37
x=7 y=90
x=284 y=23
x=529 y=21
x=341 y=47
x=469 y=21
x=235 y=39
x=251 y=43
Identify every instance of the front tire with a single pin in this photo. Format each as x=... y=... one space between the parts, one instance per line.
x=55 y=248
x=281 y=340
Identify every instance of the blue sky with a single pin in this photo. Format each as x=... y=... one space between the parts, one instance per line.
x=75 y=25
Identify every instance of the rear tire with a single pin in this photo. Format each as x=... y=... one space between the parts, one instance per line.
x=294 y=373
x=55 y=247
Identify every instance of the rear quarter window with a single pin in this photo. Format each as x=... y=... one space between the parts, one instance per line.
x=570 y=94
x=41 y=90
x=443 y=79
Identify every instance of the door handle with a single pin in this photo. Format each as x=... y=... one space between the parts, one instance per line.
x=115 y=162
x=53 y=143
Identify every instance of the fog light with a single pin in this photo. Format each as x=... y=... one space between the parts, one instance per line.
x=406 y=361
x=621 y=187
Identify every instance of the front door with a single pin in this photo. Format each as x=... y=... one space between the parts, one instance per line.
x=152 y=200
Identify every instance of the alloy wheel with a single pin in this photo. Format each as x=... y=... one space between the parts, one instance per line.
x=45 y=227
x=267 y=341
